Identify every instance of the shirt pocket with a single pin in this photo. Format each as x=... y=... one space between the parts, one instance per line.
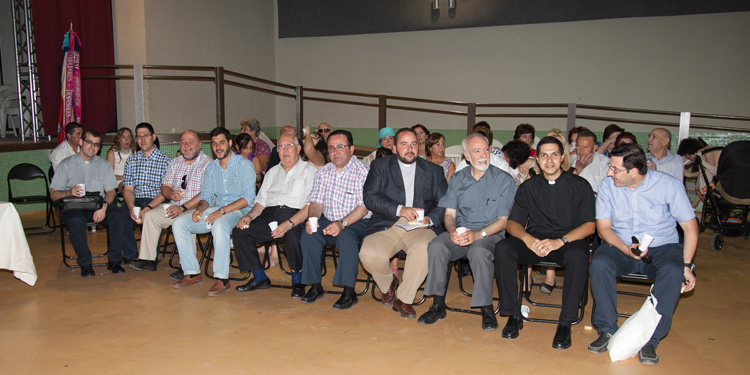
x=95 y=185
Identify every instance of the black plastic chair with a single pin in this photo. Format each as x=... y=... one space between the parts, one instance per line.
x=25 y=172
x=523 y=275
x=457 y=265
x=67 y=257
x=208 y=249
x=401 y=255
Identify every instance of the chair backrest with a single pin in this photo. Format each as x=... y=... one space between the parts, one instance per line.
x=7 y=94
x=25 y=171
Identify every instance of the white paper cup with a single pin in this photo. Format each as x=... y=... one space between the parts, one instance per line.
x=83 y=188
x=136 y=213
x=165 y=206
x=208 y=226
x=420 y=215
x=313 y=224
x=273 y=225
x=460 y=230
x=525 y=311
x=646 y=241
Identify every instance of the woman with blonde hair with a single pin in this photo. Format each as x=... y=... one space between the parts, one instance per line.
x=122 y=148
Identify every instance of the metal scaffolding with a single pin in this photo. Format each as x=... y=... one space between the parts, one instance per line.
x=29 y=100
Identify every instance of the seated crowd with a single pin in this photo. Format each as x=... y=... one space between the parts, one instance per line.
x=500 y=207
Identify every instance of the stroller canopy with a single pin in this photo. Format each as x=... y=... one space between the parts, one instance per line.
x=733 y=171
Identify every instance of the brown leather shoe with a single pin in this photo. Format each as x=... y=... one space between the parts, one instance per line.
x=404 y=309
x=219 y=288
x=187 y=280
x=390 y=294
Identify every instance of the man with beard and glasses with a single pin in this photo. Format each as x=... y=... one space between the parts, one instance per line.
x=476 y=205
x=336 y=200
x=281 y=199
x=181 y=186
x=227 y=193
x=551 y=220
x=396 y=189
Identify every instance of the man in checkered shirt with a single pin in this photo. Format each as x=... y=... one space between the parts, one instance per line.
x=336 y=199
x=141 y=180
x=181 y=186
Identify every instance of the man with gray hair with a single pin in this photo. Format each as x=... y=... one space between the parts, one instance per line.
x=476 y=205
x=659 y=157
x=251 y=127
x=588 y=163
x=274 y=160
x=281 y=200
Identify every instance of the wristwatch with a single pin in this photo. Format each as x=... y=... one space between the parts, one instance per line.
x=484 y=234
x=344 y=224
x=564 y=240
x=222 y=211
x=291 y=222
x=691 y=266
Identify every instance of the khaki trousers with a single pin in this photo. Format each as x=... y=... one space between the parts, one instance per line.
x=153 y=223
x=378 y=249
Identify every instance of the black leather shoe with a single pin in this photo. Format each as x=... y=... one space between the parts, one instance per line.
x=512 y=328
x=298 y=290
x=600 y=345
x=177 y=275
x=647 y=355
x=87 y=271
x=433 y=314
x=143 y=265
x=252 y=285
x=346 y=301
x=315 y=293
x=489 y=321
x=562 y=338
x=115 y=267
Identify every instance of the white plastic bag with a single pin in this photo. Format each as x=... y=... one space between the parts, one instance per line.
x=635 y=332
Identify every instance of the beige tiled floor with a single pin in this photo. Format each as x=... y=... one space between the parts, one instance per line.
x=137 y=323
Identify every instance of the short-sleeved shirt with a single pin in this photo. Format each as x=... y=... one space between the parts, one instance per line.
x=61 y=152
x=671 y=164
x=595 y=172
x=225 y=186
x=340 y=192
x=551 y=210
x=192 y=173
x=145 y=173
x=261 y=147
x=97 y=174
x=654 y=207
x=282 y=188
x=479 y=203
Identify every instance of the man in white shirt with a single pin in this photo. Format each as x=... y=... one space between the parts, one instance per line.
x=495 y=160
x=589 y=164
x=68 y=148
x=660 y=158
x=281 y=199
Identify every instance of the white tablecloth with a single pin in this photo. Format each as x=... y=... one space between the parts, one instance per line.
x=14 y=250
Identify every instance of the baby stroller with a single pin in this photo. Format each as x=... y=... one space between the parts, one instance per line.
x=727 y=197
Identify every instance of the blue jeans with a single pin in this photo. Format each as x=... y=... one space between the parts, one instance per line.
x=184 y=226
x=666 y=269
x=348 y=242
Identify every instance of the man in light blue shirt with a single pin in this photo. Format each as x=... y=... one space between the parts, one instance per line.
x=227 y=193
x=634 y=202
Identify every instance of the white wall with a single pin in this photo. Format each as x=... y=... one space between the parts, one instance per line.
x=235 y=34
x=684 y=63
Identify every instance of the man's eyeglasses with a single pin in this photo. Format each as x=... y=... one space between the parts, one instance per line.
x=615 y=169
x=324 y=130
x=288 y=145
x=143 y=136
x=97 y=145
x=184 y=182
x=337 y=148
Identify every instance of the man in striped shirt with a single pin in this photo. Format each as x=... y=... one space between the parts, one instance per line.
x=336 y=200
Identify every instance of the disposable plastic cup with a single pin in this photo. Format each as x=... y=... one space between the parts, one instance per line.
x=460 y=230
x=420 y=215
x=313 y=224
x=273 y=225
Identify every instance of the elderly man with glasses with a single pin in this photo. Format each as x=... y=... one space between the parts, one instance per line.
x=281 y=200
x=180 y=186
x=336 y=201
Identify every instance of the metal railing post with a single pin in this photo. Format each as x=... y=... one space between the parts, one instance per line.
x=382 y=107
x=300 y=106
x=219 y=81
x=571 y=116
x=471 y=117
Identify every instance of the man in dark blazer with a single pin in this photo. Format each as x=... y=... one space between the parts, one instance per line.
x=397 y=188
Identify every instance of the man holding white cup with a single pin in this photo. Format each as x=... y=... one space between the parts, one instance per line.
x=227 y=191
x=180 y=186
x=87 y=171
x=635 y=202
x=401 y=189
x=478 y=200
x=278 y=215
